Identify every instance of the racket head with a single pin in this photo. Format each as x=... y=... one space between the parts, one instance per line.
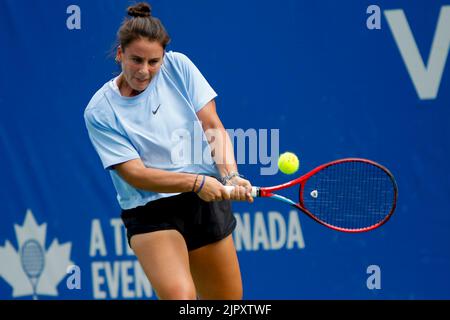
x=32 y=258
x=349 y=195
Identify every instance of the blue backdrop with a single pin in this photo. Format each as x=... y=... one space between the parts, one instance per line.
x=336 y=79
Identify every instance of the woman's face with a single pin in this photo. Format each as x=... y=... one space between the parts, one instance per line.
x=140 y=61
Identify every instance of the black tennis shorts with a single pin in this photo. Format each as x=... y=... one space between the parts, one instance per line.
x=199 y=222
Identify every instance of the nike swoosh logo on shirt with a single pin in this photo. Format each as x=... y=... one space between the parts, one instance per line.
x=156 y=110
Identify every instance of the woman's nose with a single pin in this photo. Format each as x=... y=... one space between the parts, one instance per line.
x=144 y=70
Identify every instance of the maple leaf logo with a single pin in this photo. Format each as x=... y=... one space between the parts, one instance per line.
x=32 y=270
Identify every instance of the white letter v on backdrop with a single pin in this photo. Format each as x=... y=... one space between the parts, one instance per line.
x=426 y=79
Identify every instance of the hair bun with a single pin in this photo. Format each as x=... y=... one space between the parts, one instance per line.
x=141 y=9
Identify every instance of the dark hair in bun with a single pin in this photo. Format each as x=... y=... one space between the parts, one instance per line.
x=142 y=25
x=141 y=9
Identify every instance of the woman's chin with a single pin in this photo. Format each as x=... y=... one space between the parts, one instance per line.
x=140 y=86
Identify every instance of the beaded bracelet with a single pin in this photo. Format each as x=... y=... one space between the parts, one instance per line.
x=227 y=178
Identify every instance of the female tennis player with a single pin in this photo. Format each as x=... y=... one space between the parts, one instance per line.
x=177 y=213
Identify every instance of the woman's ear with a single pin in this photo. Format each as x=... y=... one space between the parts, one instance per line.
x=119 y=54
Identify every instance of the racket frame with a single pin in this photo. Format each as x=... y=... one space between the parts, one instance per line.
x=268 y=192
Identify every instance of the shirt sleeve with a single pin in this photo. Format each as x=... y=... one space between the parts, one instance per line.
x=199 y=90
x=112 y=146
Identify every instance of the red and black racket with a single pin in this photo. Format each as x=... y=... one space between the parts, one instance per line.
x=349 y=195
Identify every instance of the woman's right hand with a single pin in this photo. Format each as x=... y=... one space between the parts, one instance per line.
x=212 y=189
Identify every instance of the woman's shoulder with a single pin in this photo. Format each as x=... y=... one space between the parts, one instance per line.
x=177 y=61
x=175 y=56
x=97 y=107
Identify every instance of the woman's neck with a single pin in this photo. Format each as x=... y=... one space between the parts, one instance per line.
x=125 y=89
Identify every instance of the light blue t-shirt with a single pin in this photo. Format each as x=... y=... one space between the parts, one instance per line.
x=160 y=126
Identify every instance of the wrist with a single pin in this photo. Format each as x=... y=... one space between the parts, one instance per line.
x=195 y=184
x=201 y=180
x=230 y=176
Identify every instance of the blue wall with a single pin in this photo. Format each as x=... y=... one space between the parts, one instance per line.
x=313 y=70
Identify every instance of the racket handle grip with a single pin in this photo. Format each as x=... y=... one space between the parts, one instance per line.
x=254 y=193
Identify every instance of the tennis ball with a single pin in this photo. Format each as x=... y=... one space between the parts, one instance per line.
x=288 y=163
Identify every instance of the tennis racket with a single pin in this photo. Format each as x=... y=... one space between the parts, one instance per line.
x=32 y=257
x=348 y=195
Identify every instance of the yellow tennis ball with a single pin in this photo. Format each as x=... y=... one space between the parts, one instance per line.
x=288 y=163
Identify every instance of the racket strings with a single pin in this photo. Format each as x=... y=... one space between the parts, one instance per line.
x=32 y=258
x=350 y=195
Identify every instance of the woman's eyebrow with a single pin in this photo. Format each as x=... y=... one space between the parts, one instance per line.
x=136 y=56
